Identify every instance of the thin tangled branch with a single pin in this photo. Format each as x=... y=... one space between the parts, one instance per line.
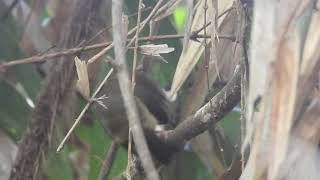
x=71 y=51
x=136 y=45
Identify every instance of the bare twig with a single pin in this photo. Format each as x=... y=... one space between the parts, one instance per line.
x=127 y=94
x=136 y=44
x=209 y=23
x=105 y=50
x=133 y=83
x=103 y=30
x=100 y=54
x=108 y=161
x=205 y=46
x=153 y=12
x=130 y=160
x=107 y=46
x=51 y=56
x=84 y=110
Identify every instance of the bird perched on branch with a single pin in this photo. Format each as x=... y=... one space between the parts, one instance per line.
x=154 y=110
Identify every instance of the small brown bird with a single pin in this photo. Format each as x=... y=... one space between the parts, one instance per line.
x=153 y=107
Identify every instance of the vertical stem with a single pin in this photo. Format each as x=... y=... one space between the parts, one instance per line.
x=136 y=45
x=127 y=94
x=130 y=161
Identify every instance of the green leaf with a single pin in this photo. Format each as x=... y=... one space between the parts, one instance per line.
x=180 y=17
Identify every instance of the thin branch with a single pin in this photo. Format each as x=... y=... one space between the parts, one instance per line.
x=127 y=94
x=108 y=161
x=84 y=110
x=51 y=56
x=38 y=59
x=105 y=50
x=209 y=23
x=136 y=44
x=130 y=159
x=150 y=16
x=133 y=82
x=103 y=30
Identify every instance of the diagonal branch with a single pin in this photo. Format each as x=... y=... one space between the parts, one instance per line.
x=209 y=114
x=84 y=110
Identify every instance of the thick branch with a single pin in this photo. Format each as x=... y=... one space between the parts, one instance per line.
x=127 y=93
x=210 y=113
x=204 y=118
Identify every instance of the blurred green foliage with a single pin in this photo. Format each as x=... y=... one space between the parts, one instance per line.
x=180 y=18
x=99 y=145
x=14 y=111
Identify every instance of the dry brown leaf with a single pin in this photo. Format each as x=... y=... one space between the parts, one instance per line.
x=83 y=84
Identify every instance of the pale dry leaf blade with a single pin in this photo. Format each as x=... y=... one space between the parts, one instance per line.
x=155 y=49
x=194 y=50
x=83 y=84
x=312 y=43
